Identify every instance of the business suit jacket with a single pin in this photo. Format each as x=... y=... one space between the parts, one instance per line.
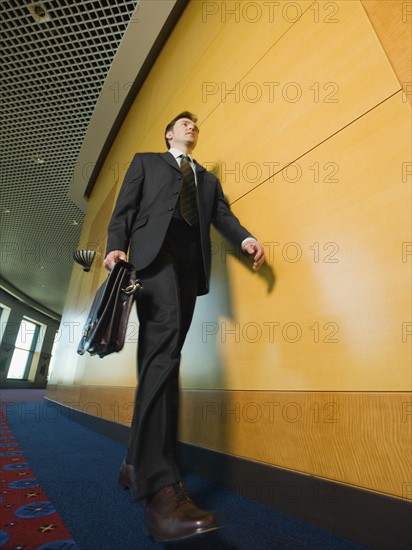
x=145 y=205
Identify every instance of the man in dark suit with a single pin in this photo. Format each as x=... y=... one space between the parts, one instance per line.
x=162 y=217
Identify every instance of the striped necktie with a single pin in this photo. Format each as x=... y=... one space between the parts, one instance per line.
x=188 y=193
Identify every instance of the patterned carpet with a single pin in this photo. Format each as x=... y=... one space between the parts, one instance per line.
x=28 y=519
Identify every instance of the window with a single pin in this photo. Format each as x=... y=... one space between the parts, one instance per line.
x=52 y=359
x=24 y=349
x=4 y=315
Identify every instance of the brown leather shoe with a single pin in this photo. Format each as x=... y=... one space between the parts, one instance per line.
x=127 y=479
x=171 y=515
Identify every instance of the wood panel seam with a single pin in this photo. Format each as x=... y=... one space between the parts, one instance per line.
x=262 y=57
x=270 y=177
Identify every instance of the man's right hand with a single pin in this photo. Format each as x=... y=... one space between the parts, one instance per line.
x=113 y=257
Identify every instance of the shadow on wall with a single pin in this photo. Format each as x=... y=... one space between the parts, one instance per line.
x=203 y=363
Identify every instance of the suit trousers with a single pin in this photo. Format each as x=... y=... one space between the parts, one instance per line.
x=165 y=306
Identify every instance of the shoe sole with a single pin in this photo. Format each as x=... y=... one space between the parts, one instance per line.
x=196 y=533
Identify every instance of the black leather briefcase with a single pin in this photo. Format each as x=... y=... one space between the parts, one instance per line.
x=106 y=325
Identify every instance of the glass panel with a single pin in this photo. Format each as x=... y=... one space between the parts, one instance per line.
x=18 y=364
x=4 y=316
x=52 y=358
x=27 y=332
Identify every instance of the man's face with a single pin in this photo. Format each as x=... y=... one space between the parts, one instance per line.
x=184 y=132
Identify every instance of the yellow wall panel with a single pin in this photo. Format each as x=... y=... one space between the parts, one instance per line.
x=109 y=402
x=335 y=239
x=362 y=439
x=66 y=394
x=318 y=78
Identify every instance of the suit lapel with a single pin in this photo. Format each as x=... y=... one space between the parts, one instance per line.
x=204 y=190
x=200 y=172
x=171 y=161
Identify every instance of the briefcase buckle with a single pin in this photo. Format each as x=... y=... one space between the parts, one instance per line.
x=131 y=289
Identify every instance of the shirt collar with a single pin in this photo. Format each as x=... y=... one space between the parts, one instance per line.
x=176 y=153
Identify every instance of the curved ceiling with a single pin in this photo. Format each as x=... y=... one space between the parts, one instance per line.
x=61 y=63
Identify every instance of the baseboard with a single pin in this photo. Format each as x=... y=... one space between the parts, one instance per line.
x=375 y=520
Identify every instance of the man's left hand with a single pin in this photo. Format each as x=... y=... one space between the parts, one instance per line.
x=256 y=251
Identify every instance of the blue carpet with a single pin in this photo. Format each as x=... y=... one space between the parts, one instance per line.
x=77 y=468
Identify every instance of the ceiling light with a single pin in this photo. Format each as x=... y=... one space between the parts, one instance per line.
x=37 y=160
x=39 y=12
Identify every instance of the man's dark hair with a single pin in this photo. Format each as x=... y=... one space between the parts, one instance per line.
x=185 y=114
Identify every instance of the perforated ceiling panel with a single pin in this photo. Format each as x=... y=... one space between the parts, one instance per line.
x=55 y=58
